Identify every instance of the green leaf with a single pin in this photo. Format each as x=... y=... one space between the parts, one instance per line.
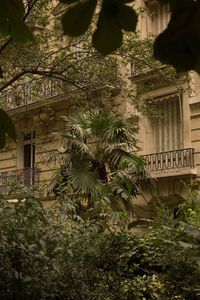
x=6 y=128
x=124 y=196
x=114 y=17
x=127 y=18
x=78 y=17
x=18 y=29
x=20 y=32
x=11 y=20
x=140 y=222
x=4 y=27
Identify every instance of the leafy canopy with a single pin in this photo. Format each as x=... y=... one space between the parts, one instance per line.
x=101 y=155
x=7 y=128
x=178 y=45
x=53 y=254
x=12 y=23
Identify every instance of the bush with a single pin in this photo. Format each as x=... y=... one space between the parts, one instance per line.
x=53 y=254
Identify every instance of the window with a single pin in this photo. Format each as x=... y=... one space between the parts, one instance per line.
x=29 y=150
x=29 y=158
x=159 y=18
x=167 y=124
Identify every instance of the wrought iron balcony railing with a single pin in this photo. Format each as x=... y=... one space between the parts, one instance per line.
x=31 y=92
x=11 y=181
x=170 y=160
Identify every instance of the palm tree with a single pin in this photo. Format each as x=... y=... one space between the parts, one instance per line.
x=101 y=154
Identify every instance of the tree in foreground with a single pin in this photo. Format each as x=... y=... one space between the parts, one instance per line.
x=178 y=45
x=50 y=55
x=101 y=158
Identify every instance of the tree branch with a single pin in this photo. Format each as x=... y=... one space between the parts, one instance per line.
x=30 y=7
x=49 y=74
x=11 y=81
x=56 y=76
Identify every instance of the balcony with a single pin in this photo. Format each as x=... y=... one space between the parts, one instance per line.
x=31 y=92
x=171 y=163
x=11 y=182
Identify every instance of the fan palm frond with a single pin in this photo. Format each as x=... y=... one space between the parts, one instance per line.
x=135 y=165
x=84 y=181
x=102 y=148
x=116 y=156
x=74 y=145
x=100 y=121
x=78 y=125
x=121 y=132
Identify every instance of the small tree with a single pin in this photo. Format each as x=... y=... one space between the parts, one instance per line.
x=101 y=158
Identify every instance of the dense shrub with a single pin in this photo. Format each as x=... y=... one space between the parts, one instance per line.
x=53 y=254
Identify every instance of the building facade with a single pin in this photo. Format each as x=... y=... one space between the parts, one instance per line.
x=170 y=142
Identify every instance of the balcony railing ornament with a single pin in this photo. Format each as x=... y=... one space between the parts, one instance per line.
x=31 y=92
x=161 y=161
x=27 y=177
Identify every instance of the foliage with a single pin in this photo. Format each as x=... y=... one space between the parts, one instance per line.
x=51 y=56
x=138 y=53
x=101 y=158
x=6 y=128
x=189 y=210
x=54 y=254
x=23 y=63
x=114 y=17
x=178 y=45
x=12 y=23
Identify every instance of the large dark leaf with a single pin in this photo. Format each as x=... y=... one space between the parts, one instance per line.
x=6 y=128
x=11 y=20
x=176 y=6
x=114 y=17
x=78 y=17
x=2 y=139
x=107 y=37
x=179 y=44
x=1 y=73
x=127 y=18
